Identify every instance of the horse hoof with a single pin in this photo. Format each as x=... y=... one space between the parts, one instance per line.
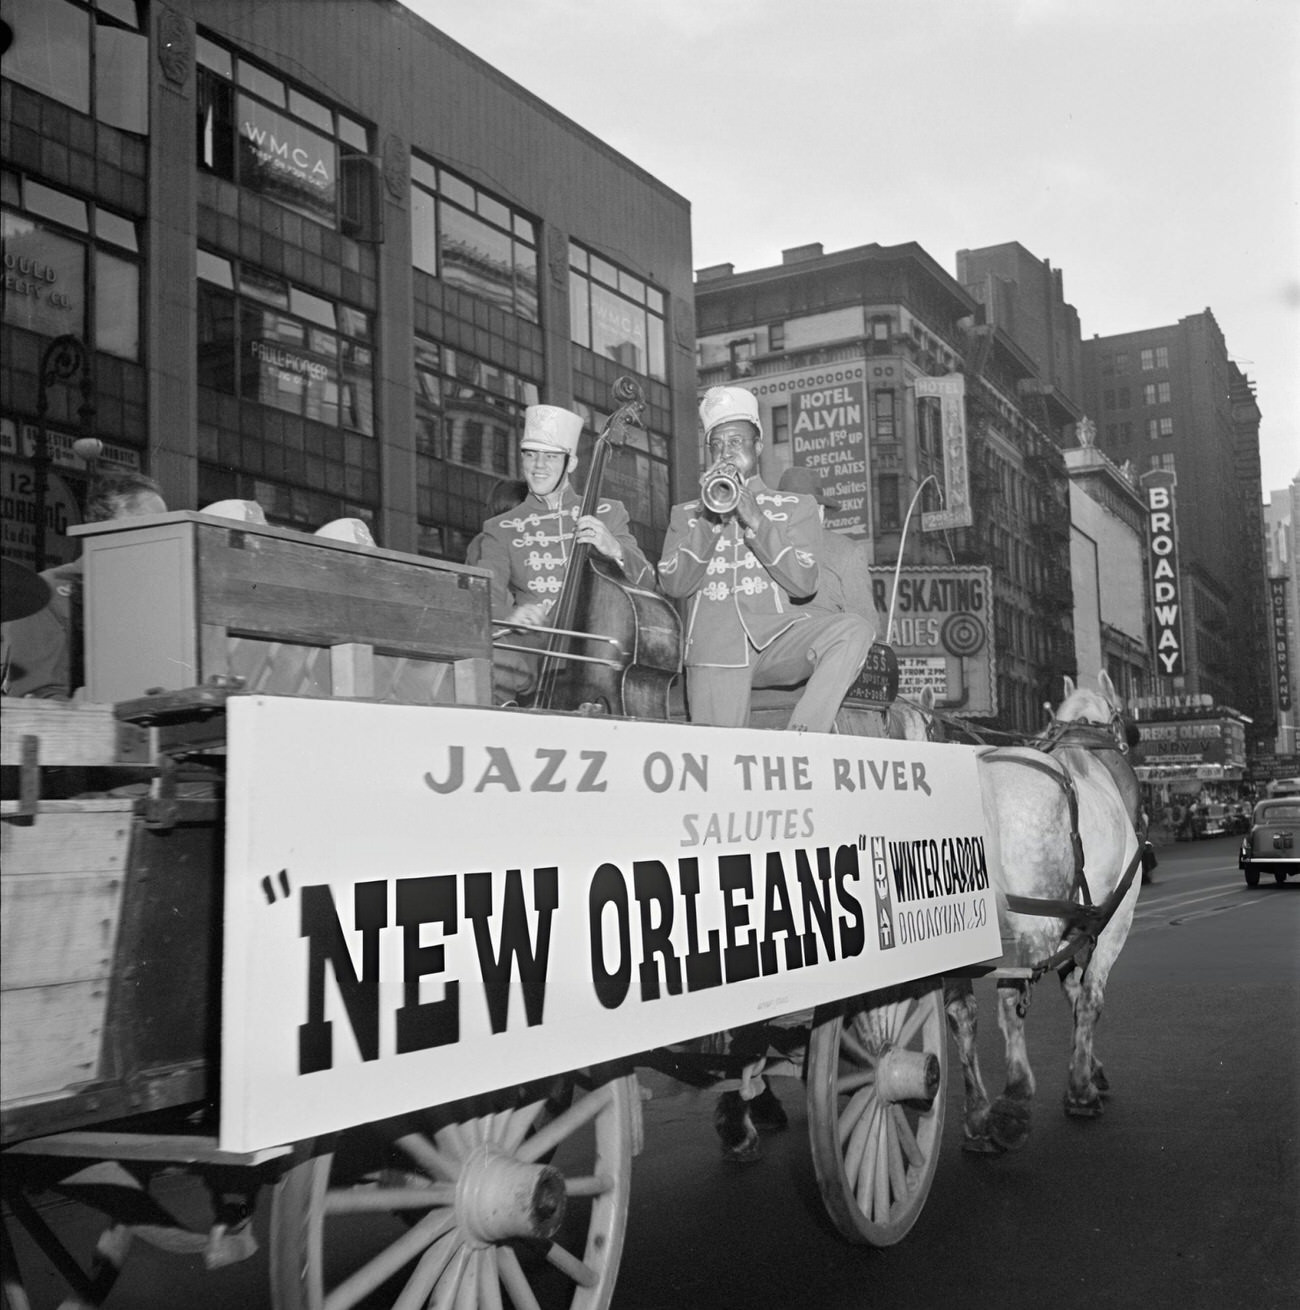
x=736 y=1133
x=745 y=1153
x=980 y=1146
x=1079 y=1107
x=1009 y=1124
x=767 y=1112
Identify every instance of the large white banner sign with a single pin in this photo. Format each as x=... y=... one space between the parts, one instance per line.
x=424 y=904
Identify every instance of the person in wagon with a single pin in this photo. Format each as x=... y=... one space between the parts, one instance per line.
x=528 y=548
x=843 y=571
x=43 y=651
x=745 y=572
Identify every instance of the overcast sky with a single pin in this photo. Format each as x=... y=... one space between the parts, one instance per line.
x=1149 y=149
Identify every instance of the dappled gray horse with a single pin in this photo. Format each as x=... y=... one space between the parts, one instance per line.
x=1062 y=851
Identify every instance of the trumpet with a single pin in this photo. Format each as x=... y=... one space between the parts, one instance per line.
x=720 y=487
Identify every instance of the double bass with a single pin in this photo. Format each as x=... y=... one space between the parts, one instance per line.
x=610 y=645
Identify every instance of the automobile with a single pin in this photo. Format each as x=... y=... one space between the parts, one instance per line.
x=1273 y=843
x=1214 y=820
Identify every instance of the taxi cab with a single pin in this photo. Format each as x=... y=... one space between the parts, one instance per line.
x=1273 y=842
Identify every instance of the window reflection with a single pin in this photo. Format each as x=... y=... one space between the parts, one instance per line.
x=250 y=347
x=117 y=306
x=122 y=78
x=476 y=257
x=616 y=314
x=473 y=241
x=54 y=55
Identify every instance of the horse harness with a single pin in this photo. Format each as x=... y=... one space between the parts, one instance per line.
x=1084 y=921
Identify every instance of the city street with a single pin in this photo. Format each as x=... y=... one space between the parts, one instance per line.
x=1183 y=1194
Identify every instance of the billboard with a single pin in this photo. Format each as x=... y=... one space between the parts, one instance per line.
x=500 y=897
x=828 y=434
x=941 y=634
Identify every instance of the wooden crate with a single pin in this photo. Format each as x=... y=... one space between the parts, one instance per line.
x=109 y=925
x=175 y=600
x=61 y=887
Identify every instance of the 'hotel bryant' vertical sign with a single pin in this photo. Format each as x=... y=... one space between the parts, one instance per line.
x=951 y=393
x=1162 y=546
x=1282 y=652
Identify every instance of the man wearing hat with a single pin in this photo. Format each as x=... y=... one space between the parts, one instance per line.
x=528 y=548
x=844 y=577
x=745 y=571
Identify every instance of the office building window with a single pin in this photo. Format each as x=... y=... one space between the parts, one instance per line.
x=888 y=514
x=880 y=327
x=616 y=314
x=267 y=340
x=471 y=240
x=258 y=130
x=71 y=266
x=883 y=415
x=780 y=424
x=1162 y=393
x=467 y=411
x=1121 y=363
x=92 y=57
x=1159 y=427
x=1148 y=360
x=776 y=336
x=1162 y=357
x=1165 y=461
x=1108 y=398
x=1149 y=394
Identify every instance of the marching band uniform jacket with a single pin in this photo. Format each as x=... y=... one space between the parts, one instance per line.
x=741 y=586
x=528 y=547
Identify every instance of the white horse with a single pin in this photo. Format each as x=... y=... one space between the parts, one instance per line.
x=1062 y=851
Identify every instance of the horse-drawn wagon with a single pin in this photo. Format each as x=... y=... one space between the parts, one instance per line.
x=288 y=905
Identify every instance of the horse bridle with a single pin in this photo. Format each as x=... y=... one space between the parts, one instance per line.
x=1084 y=734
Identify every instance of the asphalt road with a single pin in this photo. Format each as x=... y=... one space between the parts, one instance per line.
x=1185 y=1194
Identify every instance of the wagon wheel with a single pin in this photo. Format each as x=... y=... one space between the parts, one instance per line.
x=511 y=1200
x=877 y=1070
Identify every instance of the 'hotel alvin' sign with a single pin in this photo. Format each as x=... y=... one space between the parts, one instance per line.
x=1162 y=545
x=828 y=434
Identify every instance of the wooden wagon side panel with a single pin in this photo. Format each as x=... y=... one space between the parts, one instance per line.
x=60 y=907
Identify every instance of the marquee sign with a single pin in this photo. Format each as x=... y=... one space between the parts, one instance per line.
x=1162 y=547
x=426 y=903
x=941 y=633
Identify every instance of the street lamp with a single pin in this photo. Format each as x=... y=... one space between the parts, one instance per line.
x=64 y=360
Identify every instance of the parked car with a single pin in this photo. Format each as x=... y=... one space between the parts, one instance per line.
x=1273 y=842
x=1214 y=820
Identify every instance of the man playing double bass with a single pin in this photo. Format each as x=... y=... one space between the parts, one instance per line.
x=528 y=548
x=745 y=567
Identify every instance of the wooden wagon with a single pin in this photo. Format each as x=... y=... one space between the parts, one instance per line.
x=288 y=905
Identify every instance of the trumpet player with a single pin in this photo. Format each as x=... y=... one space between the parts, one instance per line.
x=744 y=554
